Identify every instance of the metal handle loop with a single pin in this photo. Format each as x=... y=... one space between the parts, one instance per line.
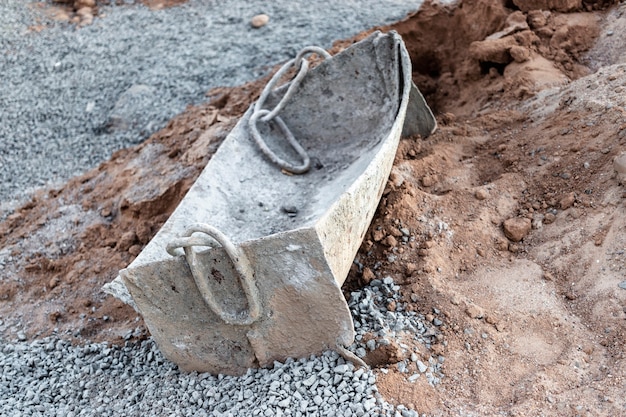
x=238 y=258
x=269 y=88
x=268 y=115
x=254 y=131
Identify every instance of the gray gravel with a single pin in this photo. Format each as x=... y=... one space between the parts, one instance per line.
x=407 y=328
x=50 y=377
x=70 y=97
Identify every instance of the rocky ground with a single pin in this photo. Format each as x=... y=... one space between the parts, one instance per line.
x=504 y=230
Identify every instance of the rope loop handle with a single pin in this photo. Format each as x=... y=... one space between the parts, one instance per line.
x=238 y=258
x=265 y=115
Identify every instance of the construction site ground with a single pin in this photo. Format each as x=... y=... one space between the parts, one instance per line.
x=515 y=204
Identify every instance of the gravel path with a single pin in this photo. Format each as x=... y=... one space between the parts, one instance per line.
x=50 y=377
x=70 y=97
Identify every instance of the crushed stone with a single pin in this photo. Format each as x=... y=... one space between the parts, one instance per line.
x=51 y=377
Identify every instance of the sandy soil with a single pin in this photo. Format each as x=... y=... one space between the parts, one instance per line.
x=82 y=12
x=517 y=209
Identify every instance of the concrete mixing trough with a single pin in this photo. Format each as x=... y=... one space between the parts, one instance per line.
x=294 y=235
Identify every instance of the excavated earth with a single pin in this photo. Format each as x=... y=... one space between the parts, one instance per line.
x=516 y=203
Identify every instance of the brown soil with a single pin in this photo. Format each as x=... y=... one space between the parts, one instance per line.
x=530 y=119
x=82 y=12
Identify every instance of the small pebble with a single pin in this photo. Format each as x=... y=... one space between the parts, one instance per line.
x=429 y=180
x=341 y=369
x=549 y=218
x=517 y=228
x=259 y=20
x=309 y=381
x=619 y=163
x=567 y=201
x=480 y=194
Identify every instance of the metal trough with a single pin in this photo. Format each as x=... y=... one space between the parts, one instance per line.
x=257 y=256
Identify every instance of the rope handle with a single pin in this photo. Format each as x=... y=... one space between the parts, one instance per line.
x=238 y=258
x=265 y=115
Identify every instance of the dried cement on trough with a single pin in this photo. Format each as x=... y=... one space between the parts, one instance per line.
x=348 y=114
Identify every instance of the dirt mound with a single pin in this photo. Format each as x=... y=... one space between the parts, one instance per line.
x=507 y=55
x=515 y=214
x=534 y=325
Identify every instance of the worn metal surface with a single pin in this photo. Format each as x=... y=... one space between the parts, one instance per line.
x=348 y=113
x=419 y=118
